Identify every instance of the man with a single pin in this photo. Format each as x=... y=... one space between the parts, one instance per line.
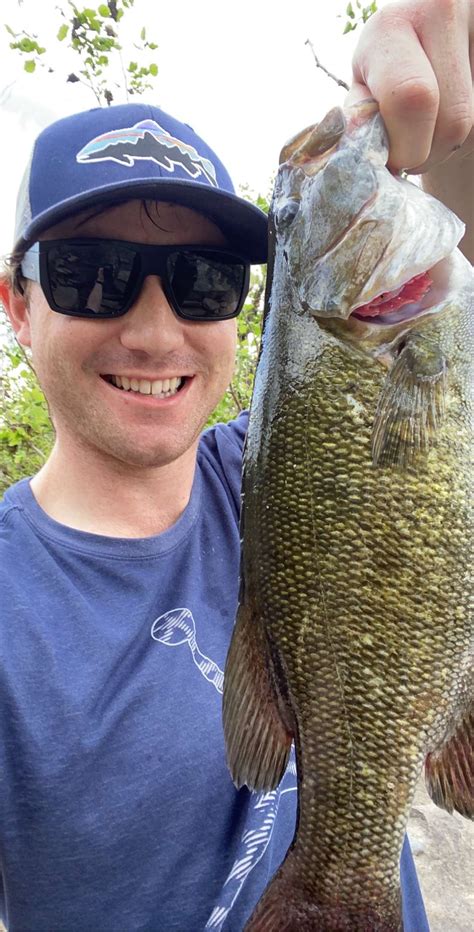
x=120 y=557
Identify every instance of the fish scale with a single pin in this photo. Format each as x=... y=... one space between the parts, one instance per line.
x=359 y=599
x=354 y=616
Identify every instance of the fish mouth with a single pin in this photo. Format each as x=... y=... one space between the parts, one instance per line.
x=409 y=300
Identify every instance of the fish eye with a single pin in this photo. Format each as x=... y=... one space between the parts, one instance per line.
x=285 y=214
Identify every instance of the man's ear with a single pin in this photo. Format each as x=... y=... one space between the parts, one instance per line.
x=17 y=310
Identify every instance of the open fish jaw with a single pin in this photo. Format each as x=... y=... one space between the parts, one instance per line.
x=359 y=230
x=424 y=233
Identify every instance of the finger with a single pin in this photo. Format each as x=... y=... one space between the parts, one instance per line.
x=445 y=39
x=391 y=66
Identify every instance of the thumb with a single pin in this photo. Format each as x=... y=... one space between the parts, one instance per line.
x=357 y=92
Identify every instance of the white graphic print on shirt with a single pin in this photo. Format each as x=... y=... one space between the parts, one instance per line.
x=178 y=627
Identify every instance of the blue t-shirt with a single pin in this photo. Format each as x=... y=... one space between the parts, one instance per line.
x=116 y=807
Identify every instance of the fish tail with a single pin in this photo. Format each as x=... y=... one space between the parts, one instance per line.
x=286 y=906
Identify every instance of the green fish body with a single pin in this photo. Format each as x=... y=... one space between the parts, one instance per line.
x=354 y=634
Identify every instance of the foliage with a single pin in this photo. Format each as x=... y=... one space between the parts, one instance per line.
x=93 y=37
x=26 y=433
x=354 y=18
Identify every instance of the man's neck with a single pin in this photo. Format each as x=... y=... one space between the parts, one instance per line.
x=102 y=496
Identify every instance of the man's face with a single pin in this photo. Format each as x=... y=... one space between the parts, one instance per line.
x=76 y=358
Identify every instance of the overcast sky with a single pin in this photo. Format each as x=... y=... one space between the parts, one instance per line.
x=239 y=73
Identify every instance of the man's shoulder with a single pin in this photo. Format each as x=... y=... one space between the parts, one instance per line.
x=14 y=529
x=11 y=505
x=222 y=446
x=220 y=458
x=225 y=436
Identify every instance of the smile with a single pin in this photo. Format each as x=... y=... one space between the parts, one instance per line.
x=160 y=388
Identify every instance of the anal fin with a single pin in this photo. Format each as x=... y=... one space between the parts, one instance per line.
x=449 y=771
x=258 y=741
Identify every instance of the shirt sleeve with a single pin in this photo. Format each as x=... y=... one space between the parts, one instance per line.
x=221 y=446
x=414 y=915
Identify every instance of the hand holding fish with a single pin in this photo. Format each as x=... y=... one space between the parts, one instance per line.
x=413 y=57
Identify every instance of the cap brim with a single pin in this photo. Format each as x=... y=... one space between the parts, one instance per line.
x=244 y=224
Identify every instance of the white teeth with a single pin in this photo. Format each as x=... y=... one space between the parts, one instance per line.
x=162 y=388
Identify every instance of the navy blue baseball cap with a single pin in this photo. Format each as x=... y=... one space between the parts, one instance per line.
x=112 y=154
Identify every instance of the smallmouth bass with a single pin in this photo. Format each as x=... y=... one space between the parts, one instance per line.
x=354 y=633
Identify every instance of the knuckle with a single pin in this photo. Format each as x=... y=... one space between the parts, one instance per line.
x=457 y=127
x=447 y=10
x=415 y=96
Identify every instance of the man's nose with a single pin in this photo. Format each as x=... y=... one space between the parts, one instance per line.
x=151 y=323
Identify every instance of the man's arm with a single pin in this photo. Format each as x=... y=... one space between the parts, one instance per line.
x=413 y=57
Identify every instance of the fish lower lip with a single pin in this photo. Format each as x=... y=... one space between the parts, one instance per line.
x=407 y=312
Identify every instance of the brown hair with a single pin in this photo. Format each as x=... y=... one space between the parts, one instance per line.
x=11 y=271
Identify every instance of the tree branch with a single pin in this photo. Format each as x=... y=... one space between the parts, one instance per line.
x=338 y=81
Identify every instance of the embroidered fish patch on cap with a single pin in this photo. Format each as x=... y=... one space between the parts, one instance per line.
x=147 y=140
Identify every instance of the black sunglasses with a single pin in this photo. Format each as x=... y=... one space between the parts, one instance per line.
x=101 y=278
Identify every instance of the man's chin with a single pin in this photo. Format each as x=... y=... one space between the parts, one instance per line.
x=137 y=454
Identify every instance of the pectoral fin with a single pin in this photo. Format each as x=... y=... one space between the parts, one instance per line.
x=411 y=404
x=258 y=739
x=449 y=772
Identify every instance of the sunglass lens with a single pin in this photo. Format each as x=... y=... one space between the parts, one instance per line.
x=205 y=287
x=95 y=279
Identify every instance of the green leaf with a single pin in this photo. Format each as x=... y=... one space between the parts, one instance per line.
x=348 y=28
x=350 y=11
x=152 y=45
x=30 y=65
x=63 y=31
x=104 y=11
x=153 y=69
x=143 y=33
x=133 y=66
x=26 y=45
x=10 y=30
